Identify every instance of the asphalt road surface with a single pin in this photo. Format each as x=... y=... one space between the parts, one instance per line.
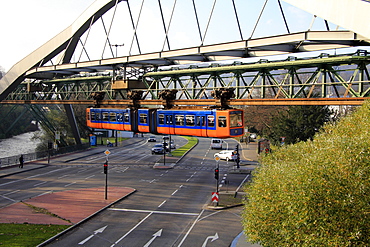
x=169 y=208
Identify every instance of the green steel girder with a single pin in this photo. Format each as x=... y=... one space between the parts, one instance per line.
x=324 y=76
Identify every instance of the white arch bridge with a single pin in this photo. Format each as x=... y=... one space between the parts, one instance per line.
x=121 y=45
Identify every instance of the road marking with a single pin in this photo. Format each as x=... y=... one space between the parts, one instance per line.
x=69 y=184
x=160 y=205
x=150 y=211
x=212 y=238
x=174 y=192
x=155 y=235
x=38 y=175
x=241 y=184
x=40 y=183
x=90 y=177
x=12 y=192
x=10 y=199
x=132 y=229
x=191 y=228
x=47 y=192
x=100 y=230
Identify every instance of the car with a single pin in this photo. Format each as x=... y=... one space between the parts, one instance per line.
x=253 y=135
x=173 y=145
x=157 y=149
x=152 y=139
x=216 y=143
x=226 y=155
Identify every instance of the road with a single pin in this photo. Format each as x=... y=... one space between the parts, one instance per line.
x=169 y=208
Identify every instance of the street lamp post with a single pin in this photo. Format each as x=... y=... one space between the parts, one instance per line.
x=116 y=45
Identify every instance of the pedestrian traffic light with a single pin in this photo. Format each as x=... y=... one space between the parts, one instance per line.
x=105 y=167
x=216 y=173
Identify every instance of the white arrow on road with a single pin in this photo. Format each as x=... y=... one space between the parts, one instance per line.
x=100 y=230
x=213 y=238
x=155 y=235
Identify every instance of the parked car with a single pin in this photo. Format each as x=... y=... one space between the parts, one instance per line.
x=152 y=139
x=226 y=155
x=157 y=149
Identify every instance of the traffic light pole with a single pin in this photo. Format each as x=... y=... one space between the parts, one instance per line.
x=106 y=178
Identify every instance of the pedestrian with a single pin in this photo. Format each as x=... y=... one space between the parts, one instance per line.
x=21 y=161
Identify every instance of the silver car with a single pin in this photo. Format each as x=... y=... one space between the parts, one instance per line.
x=157 y=149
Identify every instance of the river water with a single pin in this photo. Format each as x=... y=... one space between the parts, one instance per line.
x=17 y=145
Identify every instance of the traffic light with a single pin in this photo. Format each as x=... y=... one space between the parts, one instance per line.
x=105 y=167
x=216 y=173
x=237 y=149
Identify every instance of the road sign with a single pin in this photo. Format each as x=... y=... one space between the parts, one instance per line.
x=107 y=152
x=217 y=158
x=214 y=197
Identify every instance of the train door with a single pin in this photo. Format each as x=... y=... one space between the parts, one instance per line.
x=170 y=123
x=200 y=122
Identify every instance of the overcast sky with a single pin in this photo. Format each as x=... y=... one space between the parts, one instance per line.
x=28 y=24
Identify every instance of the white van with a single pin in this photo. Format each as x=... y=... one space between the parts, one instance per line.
x=216 y=143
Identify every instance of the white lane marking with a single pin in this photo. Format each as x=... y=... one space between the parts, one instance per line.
x=150 y=211
x=191 y=228
x=132 y=229
x=241 y=184
x=160 y=205
x=11 y=192
x=174 y=192
x=40 y=183
x=10 y=199
x=90 y=177
x=69 y=184
x=34 y=176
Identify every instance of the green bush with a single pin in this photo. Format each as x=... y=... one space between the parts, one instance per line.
x=314 y=193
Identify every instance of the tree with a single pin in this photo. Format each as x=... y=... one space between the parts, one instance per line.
x=298 y=123
x=2 y=72
x=314 y=193
x=259 y=118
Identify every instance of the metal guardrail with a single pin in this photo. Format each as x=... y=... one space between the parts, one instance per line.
x=14 y=160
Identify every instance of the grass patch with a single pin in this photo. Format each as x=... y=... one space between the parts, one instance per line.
x=192 y=141
x=27 y=234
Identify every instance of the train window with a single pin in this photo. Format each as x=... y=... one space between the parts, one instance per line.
x=92 y=115
x=161 y=119
x=211 y=121
x=179 y=120
x=236 y=119
x=143 y=118
x=112 y=117
x=105 y=116
x=126 y=118
x=190 y=120
x=222 y=121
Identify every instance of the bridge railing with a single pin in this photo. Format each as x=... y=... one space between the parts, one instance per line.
x=14 y=160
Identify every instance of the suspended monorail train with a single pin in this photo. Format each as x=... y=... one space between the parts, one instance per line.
x=204 y=123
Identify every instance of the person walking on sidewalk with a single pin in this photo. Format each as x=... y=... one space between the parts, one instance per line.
x=21 y=161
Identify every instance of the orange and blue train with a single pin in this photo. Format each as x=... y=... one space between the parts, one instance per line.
x=204 y=123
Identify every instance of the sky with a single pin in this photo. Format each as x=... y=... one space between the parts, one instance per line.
x=28 y=24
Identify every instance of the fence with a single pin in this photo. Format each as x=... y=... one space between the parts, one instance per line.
x=14 y=160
